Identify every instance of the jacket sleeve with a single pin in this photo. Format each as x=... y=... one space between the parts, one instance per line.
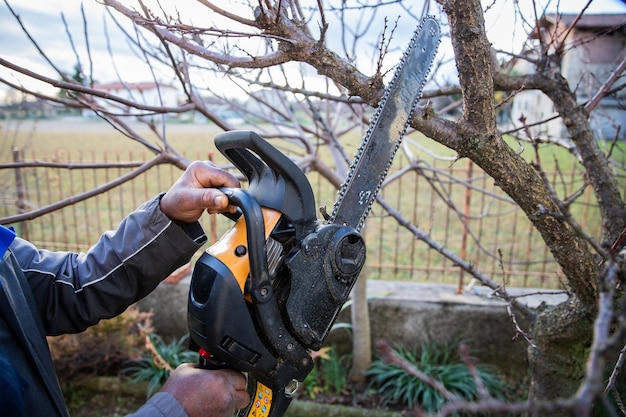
x=161 y=404
x=75 y=290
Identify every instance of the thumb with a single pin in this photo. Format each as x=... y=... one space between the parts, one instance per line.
x=216 y=201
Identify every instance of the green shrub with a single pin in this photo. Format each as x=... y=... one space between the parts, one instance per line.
x=334 y=372
x=396 y=386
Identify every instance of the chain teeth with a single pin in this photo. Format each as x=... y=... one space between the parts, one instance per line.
x=368 y=135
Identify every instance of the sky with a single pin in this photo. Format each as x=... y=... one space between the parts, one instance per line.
x=44 y=21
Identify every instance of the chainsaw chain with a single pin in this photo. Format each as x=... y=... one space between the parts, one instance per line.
x=368 y=135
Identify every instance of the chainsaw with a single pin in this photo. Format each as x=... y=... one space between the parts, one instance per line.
x=268 y=291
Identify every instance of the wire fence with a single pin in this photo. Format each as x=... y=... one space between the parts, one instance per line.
x=455 y=205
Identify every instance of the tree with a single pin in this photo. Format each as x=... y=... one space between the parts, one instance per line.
x=268 y=49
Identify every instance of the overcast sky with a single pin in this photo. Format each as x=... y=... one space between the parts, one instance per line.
x=43 y=20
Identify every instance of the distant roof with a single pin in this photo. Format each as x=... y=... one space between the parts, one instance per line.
x=138 y=86
x=575 y=6
x=588 y=21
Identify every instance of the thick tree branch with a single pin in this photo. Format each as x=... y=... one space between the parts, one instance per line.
x=576 y=119
x=467 y=31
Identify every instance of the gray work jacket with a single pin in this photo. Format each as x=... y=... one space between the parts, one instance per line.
x=51 y=293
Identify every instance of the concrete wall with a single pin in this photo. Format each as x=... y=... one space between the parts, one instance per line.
x=406 y=313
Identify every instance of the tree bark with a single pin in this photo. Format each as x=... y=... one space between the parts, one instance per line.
x=562 y=335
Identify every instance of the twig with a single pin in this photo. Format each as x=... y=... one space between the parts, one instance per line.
x=509 y=97
x=618 y=366
x=572 y=26
x=462 y=263
x=518 y=329
x=93 y=91
x=602 y=91
x=470 y=363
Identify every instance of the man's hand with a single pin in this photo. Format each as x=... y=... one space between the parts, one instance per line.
x=208 y=393
x=195 y=192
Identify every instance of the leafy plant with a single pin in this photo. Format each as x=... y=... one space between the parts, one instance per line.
x=162 y=359
x=334 y=371
x=396 y=386
x=329 y=375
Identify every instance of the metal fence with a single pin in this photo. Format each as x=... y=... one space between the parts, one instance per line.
x=455 y=204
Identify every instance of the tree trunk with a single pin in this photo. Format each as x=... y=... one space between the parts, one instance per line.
x=562 y=337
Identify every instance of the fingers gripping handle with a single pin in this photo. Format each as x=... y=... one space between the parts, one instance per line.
x=274 y=179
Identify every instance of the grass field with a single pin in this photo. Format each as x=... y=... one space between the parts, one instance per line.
x=498 y=238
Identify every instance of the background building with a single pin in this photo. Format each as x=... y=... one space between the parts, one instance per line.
x=594 y=45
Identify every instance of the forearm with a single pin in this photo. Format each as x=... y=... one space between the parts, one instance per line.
x=74 y=291
x=161 y=404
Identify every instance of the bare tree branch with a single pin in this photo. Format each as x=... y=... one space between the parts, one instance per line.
x=92 y=91
x=159 y=159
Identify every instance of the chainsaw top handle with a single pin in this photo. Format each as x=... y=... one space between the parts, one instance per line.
x=266 y=169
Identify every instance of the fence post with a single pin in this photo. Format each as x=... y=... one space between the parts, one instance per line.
x=465 y=233
x=19 y=188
